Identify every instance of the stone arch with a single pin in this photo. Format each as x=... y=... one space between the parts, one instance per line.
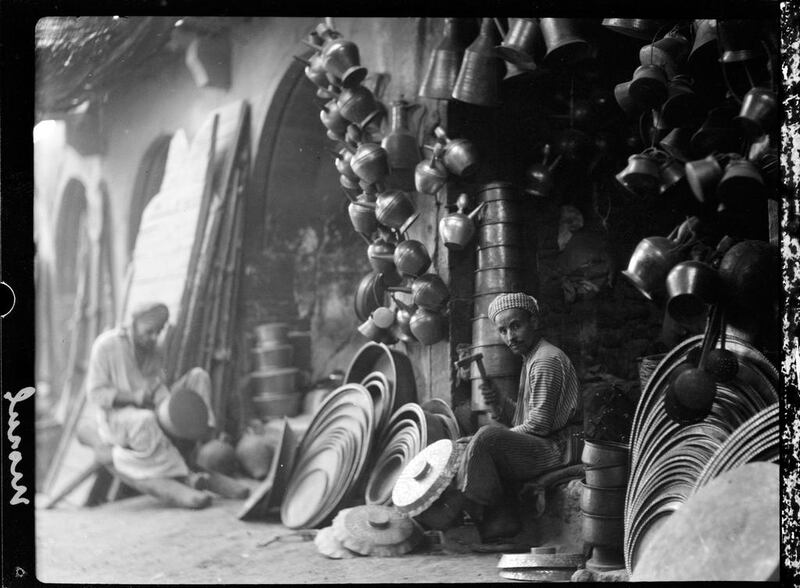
x=147 y=184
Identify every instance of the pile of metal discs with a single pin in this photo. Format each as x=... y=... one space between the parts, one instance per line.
x=669 y=460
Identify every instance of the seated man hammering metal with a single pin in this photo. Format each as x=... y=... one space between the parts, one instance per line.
x=534 y=434
x=126 y=382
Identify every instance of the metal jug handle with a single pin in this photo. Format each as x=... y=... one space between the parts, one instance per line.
x=498 y=24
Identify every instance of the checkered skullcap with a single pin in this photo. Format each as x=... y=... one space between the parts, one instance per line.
x=151 y=313
x=513 y=300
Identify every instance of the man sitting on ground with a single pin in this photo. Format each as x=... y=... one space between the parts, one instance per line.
x=533 y=434
x=126 y=382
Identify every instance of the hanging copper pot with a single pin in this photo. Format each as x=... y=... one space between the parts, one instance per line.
x=458 y=228
x=649 y=86
x=342 y=162
x=669 y=53
x=650 y=263
x=314 y=70
x=370 y=163
x=565 y=46
x=341 y=59
x=333 y=119
x=642 y=174
x=676 y=143
x=411 y=258
x=370 y=294
x=428 y=326
x=691 y=286
x=622 y=94
x=682 y=105
x=539 y=176
x=520 y=42
x=717 y=133
x=705 y=41
x=478 y=80
x=394 y=209
x=637 y=28
x=362 y=215
x=703 y=176
x=460 y=156
x=443 y=65
x=430 y=175
x=401 y=144
x=381 y=256
x=758 y=114
x=741 y=181
x=739 y=40
x=672 y=171
x=428 y=291
x=356 y=103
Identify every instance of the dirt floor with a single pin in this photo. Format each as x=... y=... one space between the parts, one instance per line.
x=140 y=541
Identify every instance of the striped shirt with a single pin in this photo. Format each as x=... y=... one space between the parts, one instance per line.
x=549 y=397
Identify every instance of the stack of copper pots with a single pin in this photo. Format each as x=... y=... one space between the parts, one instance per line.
x=603 y=502
x=499 y=270
x=273 y=380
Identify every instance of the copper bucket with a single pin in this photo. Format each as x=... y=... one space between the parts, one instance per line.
x=649 y=86
x=691 y=286
x=500 y=234
x=484 y=332
x=564 y=44
x=669 y=53
x=500 y=256
x=481 y=70
x=740 y=181
x=703 y=176
x=738 y=40
x=443 y=65
x=356 y=104
x=499 y=279
x=497 y=191
x=682 y=105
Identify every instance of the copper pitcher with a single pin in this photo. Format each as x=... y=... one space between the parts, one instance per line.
x=402 y=321
x=401 y=144
x=539 y=176
x=357 y=103
x=703 y=176
x=520 y=42
x=314 y=70
x=362 y=215
x=682 y=105
x=649 y=86
x=342 y=162
x=478 y=80
x=341 y=59
x=740 y=182
x=332 y=118
x=395 y=209
x=565 y=45
x=642 y=174
x=430 y=175
x=651 y=261
x=370 y=163
x=458 y=228
x=622 y=94
x=444 y=64
x=460 y=156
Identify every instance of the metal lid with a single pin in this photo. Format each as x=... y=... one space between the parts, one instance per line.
x=376 y=530
x=541 y=560
x=426 y=476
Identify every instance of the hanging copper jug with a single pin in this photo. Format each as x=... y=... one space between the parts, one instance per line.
x=565 y=46
x=314 y=70
x=705 y=42
x=332 y=118
x=428 y=326
x=460 y=156
x=394 y=209
x=356 y=104
x=682 y=105
x=381 y=256
x=444 y=64
x=411 y=258
x=402 y=321
x=676 y=143
x=649 y=86
x=481 y=70
x=539 y=176
x=717 y=133
x=669 y=53
x=341 y=59
x=458 y=228
x=430 y=175
x=758 y=114
x=520 y=42
x=401 y=144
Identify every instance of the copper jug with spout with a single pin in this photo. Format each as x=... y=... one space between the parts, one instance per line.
x=481 y=70
x=458 y=228
x=401 y=146
x=430 y=175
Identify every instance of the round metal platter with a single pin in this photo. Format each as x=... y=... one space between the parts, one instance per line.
x=538 y=574
x=541 y=560
x=381 y=382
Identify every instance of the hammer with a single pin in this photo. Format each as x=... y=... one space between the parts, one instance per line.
x=477 y=401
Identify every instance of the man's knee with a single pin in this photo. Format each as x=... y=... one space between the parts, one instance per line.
x=488 y=435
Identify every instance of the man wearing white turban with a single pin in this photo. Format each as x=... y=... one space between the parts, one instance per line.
x=534 y=434
x=126 y=382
